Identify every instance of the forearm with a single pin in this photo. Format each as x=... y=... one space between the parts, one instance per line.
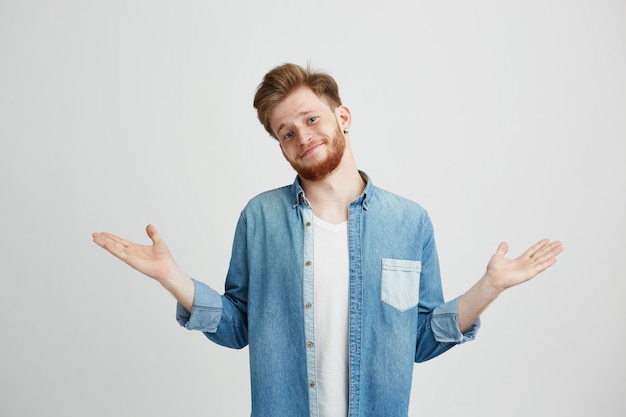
x=181 y=286
x=472 y=304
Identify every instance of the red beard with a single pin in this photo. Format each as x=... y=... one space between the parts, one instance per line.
x=322 y=169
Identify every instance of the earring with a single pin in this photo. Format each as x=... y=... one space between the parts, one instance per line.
x=346 y=131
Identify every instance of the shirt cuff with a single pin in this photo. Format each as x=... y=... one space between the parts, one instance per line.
x=206 y=311
x=445 y=325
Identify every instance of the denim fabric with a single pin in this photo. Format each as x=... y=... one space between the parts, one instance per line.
x=397 y=311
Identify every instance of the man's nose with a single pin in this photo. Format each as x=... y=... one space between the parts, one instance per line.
x=303 y=134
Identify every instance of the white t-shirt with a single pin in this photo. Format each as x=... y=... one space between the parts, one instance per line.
x=332 y=295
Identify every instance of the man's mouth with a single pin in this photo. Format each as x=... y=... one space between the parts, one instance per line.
x=311 y=149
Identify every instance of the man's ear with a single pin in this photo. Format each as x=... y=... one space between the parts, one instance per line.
x=344 y=117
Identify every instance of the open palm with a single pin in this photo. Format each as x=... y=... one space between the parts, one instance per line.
x=153 y=260
x=506 y=273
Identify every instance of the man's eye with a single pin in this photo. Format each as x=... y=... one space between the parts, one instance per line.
x=288 y=136
x=312 y=119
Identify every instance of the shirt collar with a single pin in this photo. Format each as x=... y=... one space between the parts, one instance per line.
x=297 y=193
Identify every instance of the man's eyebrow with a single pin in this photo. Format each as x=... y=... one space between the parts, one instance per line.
x=302 y=113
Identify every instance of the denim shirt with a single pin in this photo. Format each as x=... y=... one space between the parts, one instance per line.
x=397 y=312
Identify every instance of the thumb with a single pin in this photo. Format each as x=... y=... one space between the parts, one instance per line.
x=153 y=234
x=503 y=248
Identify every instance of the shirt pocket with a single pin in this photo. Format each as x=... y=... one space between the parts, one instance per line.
x=400 y=283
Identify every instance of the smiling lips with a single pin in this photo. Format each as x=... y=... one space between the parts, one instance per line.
x=311 y=149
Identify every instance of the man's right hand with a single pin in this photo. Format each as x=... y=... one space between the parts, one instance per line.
x=155 y=261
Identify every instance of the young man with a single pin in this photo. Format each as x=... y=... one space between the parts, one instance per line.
x=333 y=283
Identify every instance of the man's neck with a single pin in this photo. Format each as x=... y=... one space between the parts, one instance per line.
x=331 y=196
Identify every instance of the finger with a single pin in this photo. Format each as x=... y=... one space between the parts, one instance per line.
x=108 y=237
x=549 y=251
x=539 y=267
x=534 y=249
x=111 y=245
x=153 y=234
x=100 y=238
x=503 y=248
x=557 y=248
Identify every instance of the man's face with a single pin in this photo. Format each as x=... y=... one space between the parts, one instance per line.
x=309 y=134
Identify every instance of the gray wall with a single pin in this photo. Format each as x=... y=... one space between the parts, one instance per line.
x=504 y=119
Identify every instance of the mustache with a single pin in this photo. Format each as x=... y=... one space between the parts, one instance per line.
x=308 y=148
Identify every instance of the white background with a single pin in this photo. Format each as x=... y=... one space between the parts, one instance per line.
x=506 y=120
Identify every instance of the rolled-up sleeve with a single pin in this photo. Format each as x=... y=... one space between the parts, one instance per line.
x=206 y=311
x=445 y=325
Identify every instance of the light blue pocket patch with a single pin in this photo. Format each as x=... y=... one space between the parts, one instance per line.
x=400 y=283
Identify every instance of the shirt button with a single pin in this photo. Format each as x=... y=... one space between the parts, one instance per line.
x=308 y=263
x=307 y=305
x=308 y=223
x=311 y=384
x=309 y=344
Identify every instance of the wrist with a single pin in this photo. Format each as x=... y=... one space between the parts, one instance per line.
x=173 y=278
x=489 y=286
x=181 y=286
